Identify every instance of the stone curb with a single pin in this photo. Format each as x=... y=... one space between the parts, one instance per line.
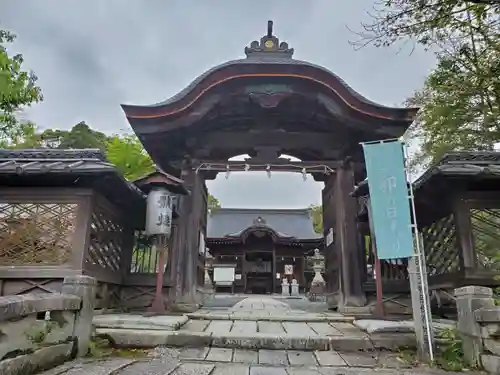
x=267 y=318
x=154 y=323
x=26 y=304
x=39 y=360
x=149 y=339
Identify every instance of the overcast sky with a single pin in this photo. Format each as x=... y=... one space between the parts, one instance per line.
x=92 y=55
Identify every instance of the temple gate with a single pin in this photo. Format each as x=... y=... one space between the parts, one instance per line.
x=267 y=105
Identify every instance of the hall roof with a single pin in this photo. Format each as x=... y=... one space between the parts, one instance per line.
x=458 y=166
x=232 y=96
x=286 y=223
x=72 y=168
x=459 y=171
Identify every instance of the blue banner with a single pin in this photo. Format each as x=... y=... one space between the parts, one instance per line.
x=390 y=204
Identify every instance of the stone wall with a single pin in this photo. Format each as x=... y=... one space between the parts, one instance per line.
x=479 y=327
x=39 y=331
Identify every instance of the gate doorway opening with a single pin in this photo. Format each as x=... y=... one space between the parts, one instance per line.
x=267 y=246
x=259 y=276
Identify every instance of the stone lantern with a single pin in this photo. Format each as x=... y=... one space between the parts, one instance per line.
x=318 y=283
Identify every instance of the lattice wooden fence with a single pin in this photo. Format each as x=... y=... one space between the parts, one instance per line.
x=36 y=233
x=441 y=246
x=106 y=240
x=486 y=233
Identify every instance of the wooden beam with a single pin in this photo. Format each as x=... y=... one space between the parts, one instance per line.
x=284 y=165
x=280 y=139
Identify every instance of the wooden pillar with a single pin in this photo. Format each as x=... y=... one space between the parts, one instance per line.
x=332 y=256
x=465 y=240
x=81 y=236
x=346 y=239
x=273 y=270
x=244 y=268
x=185 y=249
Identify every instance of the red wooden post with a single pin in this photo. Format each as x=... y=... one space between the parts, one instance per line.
x=378 y=282
x=378 y=272
x=158 y=306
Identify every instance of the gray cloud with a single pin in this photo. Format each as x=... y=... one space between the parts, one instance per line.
x=92 y=55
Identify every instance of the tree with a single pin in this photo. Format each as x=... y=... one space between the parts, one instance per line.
x=317 y=217
x=17 y=90
x=25 y=136
x=80 y=136
x=460 y=102
x=428 y=22
x=212 y=202
x=128 y=155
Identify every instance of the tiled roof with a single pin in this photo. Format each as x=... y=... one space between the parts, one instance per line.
x=287 y=223
x=453 y=164
x=462 y=163
x=36 y=161
x=33 y=163
x=260 y=59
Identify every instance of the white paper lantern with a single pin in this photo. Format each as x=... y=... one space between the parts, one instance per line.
x=159 y=213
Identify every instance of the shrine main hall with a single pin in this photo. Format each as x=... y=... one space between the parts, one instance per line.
x=261 y=247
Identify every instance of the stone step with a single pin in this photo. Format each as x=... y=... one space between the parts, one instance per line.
x=274 y=317
x=137 y=321
x=347 y=343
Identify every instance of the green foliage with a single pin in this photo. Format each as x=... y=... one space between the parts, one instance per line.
x=460 y=105
x=17 y=89
x=212 y=202
x=124 y=151
x=430 y=23
x=128 y=155
x=37 y=333
x=450 y=356
x=102 y=348
x=23 y=136
x=317 y=216
x=461 y=98
x=80 y=136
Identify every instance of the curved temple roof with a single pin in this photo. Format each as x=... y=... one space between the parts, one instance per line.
x=286 y=223
x=267 y=58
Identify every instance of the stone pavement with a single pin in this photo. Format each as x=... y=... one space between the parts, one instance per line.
x=261 y=322
x=218 y=361
x=267 y=308
x=238 y=342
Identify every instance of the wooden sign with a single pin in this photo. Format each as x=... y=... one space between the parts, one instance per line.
x=329 y=237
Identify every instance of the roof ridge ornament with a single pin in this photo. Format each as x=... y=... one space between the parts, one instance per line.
x=259 y=221
x=269 y=46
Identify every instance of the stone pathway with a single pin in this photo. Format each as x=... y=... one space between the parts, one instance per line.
x=268 y=304
x=265 y=306
x=281 y=327
x=218 y=361
x=224 y=343
x=253 y=323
